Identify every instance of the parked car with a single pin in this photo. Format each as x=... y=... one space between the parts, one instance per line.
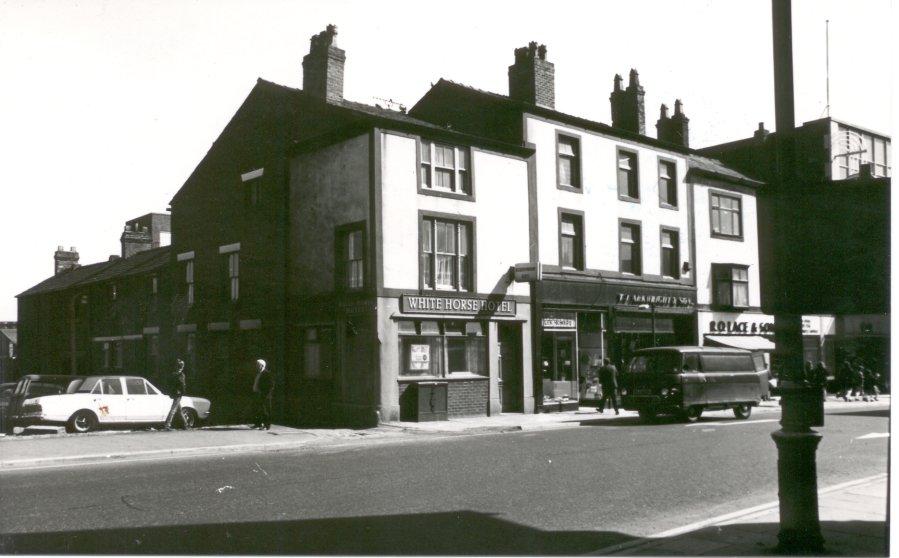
x=102 y=401
x=32 y=385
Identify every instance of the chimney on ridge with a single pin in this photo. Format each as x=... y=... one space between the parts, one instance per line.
x=761 y=133
x=135 y=238
x=532 y=79
x=323 y=67
x=627 y=105
x=675 y=129
x=65 y=259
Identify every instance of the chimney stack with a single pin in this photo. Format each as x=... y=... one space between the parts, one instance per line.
x=532 y=79
x=64 y=259
x=627 y=105
x=675 y=129
x=135 y=239
x=323 y=67
x=761 y=133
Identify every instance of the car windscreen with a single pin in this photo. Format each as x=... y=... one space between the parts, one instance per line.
x=655 y=363
x=87 y=385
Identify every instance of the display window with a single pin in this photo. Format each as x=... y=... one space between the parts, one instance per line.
x=442 y=348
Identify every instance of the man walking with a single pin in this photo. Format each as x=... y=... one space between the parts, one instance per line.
x=608 y=378
x=177 y=387
x=263 y=389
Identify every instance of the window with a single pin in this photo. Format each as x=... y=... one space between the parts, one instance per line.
x=318 y=350
x=445 y=255
x=628 y=185
x=154 y=285
x=111 y=386
x=252 y=187
x=107 y=357
x=568 y=157
x=119 y=354
x=670 y=253
x=571 y=241
x=114 y=292
x=726 y=219
x=668 y=183
x=432 y=348
x=189 y=280
x=629 y=252
x=731 y=284
x=135 y=386
x=351 y=251
x=234 y=275
x=881 y=166
x=445 y=167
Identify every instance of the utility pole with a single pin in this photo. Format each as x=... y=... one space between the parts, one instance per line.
x=802 y=408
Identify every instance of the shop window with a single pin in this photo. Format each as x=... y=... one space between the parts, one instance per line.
x=668 y=183
x=670 y=249
x=568 y=160
x=731 y=284
x=571 y=241
x=351 y=257
x=445 y=168
x=446 y=262
x=726 y=216
x=629 y=249
x=628 y=177
x=318 y=353
x=430 y=348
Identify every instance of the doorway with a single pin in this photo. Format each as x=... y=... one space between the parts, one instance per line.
x=558 y=365
x=510 y=385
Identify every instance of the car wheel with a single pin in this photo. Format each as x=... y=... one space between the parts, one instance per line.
x=743 y=411
x=81 y=422
x=191 y=420
x=647 y=415
x=692 y=414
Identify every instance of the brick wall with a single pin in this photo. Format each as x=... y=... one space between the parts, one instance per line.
x=467 y=398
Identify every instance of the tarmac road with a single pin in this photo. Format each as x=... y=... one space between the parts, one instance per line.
x=549 y=492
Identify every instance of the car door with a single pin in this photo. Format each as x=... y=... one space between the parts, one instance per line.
x=111 y=403
x=158 y=403
x=139 y=403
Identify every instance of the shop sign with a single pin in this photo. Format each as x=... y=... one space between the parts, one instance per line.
x=658 y=301
x=558 y=320
x=454 y=305
x=526 y=272
x=420 y=357
x=740 y=327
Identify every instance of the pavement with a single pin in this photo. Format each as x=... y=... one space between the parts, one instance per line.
x=853 y=515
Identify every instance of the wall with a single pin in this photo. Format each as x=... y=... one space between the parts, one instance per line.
x=599 y=198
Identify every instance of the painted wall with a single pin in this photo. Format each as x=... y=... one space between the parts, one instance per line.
x=599 y=198
x=716 y=250
x=500 y=209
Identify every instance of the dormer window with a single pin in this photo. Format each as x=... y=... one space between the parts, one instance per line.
x=445 y=168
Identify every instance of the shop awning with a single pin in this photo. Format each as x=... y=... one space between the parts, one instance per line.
x=751 y=342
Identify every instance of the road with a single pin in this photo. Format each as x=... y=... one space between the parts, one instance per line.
x=550 y=492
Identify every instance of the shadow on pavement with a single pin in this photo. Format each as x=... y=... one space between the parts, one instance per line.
x=841 y=538
x=862 y=413
x=457 y=533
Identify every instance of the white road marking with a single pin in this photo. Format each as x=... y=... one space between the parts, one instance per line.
x=731 y=423
x=874 y=435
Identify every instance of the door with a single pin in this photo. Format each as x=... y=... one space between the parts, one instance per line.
x=559 y=366
x=111 y=404
x=510 y=380
x=144 y=405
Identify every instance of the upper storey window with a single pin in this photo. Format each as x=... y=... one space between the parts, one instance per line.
x=667 y=184
x=628 y=177
x=568 y=162
x=726 y=216
x=445 y=168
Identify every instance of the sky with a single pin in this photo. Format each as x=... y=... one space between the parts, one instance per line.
x=106 y=107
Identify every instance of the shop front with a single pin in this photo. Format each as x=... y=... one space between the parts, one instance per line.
x=581 y=323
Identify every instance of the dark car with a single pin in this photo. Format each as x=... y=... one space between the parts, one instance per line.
x=30 y=386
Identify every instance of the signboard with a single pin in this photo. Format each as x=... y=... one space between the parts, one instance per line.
x=526 y=272
x=734 y=327
x=420 y=357
x=429 y=304
x=558 y=320
x=659 y=301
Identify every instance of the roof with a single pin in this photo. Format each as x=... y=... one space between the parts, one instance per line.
x=700 y=163
x=10 y=334
x=142 y=262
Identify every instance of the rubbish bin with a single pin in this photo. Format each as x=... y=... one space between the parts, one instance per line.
x=424 y=401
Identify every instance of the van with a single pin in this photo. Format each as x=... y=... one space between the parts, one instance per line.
x=686 y=381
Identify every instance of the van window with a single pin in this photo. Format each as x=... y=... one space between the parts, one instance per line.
x=759 y=360
x=727 y=363
x=656 y=363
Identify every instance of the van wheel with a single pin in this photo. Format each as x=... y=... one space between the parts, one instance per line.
x=743 y=411
x=692 y=414
x=647 y=415
x=81 y=422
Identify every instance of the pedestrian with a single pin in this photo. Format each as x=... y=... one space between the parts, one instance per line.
x=844 y=380
x=858 y=382
x=872 y=379
x=177 y=387
x=608 y=379
x=809 y=373
x=820 y=379
x=263 y=390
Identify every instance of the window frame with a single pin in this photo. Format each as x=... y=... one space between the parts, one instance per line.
x=233 y=265
x=252 y=184
x=578 y=159
x=443 y=337
x=189 y=281
x=581 y=249
x=638 y=243
x=716 y=269
x=739 y=199
x=662 y=203
x=472 y=251
x=635 y=170
x=341 y=235
x=677 y=255
x=439 y=192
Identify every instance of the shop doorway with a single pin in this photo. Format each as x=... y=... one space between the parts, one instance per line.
x=558 y=366
x=510 y=385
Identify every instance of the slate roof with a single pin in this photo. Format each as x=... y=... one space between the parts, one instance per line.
x=141 y=262
x=703 y=165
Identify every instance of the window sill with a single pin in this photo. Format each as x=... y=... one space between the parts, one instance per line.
x=727 y=237
x=628 y=199
x=664 y=205
x=723 y=308
x=438 y=193
x=570 y=188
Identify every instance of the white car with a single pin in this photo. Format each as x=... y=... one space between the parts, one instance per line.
x=109 y=400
